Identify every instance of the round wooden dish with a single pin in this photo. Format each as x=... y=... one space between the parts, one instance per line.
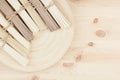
x=47 y=48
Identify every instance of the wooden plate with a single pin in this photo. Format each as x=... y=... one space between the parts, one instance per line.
x=47 y=48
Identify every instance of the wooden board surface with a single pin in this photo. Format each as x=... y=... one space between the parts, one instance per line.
x=94 y=53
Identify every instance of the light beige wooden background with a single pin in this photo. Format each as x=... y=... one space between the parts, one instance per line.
x=101 y=61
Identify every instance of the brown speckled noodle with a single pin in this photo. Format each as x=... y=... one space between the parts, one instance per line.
x=9 y=13
x=45 y=15
x=24 y=15
x=33 y=14
x=12 y=42
x=8 y=44
x=13 y=32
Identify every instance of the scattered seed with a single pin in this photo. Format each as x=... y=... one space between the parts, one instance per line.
x=95 y=20
x=35 y=78
x=91 y=44
x=68 y=64
x=78 y=58
x=100 y=33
